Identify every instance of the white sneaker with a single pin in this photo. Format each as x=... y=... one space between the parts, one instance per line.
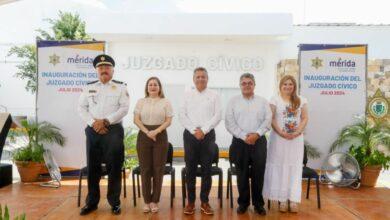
x=154 y=207
x=146 y=208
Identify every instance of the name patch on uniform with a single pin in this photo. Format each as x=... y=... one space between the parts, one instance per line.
x=92 y=91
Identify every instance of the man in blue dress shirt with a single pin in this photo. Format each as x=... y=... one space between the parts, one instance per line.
x=248 y=117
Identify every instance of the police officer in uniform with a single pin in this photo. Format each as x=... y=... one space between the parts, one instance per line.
x=102 y=105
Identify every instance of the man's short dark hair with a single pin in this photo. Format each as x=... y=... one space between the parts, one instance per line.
x=201 y=69
x=248 y=76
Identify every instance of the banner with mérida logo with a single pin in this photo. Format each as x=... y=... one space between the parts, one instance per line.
x=333 y=79
x=64 y=68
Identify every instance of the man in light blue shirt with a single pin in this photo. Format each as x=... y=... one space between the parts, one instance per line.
x=248 y=117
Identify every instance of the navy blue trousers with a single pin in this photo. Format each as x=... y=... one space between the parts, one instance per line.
x=107 y=149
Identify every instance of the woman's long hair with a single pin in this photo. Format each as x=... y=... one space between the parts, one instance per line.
x=160 y=92
x=294 y=98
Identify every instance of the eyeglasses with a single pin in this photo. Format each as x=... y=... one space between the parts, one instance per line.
x=247 y=84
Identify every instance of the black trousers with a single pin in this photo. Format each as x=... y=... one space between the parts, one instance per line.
x=249 y=161
x=199 y=152
x=108 y=149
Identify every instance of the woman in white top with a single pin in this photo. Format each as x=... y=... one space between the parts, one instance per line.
x=152 y=115
x=283 y=175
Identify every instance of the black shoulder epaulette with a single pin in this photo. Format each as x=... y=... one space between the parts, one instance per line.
x=92 y=82
x=119 y=82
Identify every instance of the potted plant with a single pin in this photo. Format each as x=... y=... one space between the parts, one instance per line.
x=130 y=142
x=369 y=142
x=29 y=140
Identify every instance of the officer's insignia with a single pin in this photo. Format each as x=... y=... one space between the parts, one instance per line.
x=316 y=63
x=113 y=87
x=92 y=91
x=378 y=106
x=54 y=59
x=102 y=58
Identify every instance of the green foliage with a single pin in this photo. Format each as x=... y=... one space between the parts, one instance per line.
x=366 y=137
x=37 y=133
x=376 y=157
x=6 y=215
x=130 y=142
x=130 y=162
x=34 y=153
x=67 y=27
x=312 y=152
x=27 y=69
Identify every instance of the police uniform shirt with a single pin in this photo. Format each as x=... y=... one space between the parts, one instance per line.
x=104 y=101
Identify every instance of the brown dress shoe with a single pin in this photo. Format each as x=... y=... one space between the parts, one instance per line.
x=206 y=209
x=189 y=209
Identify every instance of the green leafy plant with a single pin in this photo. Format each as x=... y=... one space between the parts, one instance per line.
x=130 y=162
x=6 y=215
x=27 y=69
x=312 y=152
x=33 y=154
x=369 y=142
x=376 y=157
x=33 y=135
x=67 y=27
x=130 y=142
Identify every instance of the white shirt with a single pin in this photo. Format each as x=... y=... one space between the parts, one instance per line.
x=104 y=101
x=244 y=116
x=200 y=110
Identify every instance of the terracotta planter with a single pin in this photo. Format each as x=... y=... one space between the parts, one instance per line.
x=44 y=169
x=370 y=175
x=29 y=171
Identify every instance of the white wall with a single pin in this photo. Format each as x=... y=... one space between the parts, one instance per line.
x=121 y=51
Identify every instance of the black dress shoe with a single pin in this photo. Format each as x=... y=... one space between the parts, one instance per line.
x=87 y=209
x=260 y=210
x=242 y=209
x=116 y=210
